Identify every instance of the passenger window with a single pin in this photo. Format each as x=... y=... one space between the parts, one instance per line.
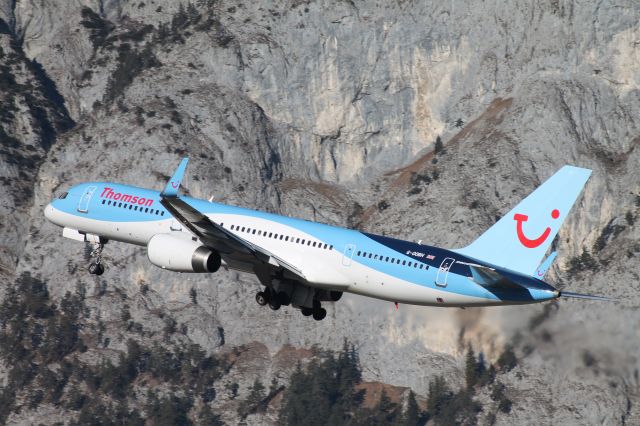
x=330 y=247
x=254 y=232
x=370 y=255
x=136 y=208
x=302 y=241
x=102 y=201
x=297 y=240
x=358 y=253
x=161 y=213
x=119 y=204
x=375 y=257
x=386 y=259
x=281 y=236
x=146 y=210
x=130 y=206
x=63 y=195
x=259 y=232
x=404 y=262
x=286 y=238
x=309 y=242
x=324 y=247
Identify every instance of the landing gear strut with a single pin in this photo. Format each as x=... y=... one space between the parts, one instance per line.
x=95 y=267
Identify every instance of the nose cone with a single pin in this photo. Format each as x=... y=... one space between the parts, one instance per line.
x=53 y=214
x=48 y=211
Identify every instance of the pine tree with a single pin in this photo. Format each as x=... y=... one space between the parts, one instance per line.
x=439 y=394
x=253 y=401
x=411 y=416
x=471 y=369
x=439 y=145
x=386 y=409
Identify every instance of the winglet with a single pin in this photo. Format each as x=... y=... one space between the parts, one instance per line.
x=171 y=190
x=544 y=266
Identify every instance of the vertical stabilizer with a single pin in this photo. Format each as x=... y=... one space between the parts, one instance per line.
x=520 y=239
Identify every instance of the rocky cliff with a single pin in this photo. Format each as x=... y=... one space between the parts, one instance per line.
x=330 y=111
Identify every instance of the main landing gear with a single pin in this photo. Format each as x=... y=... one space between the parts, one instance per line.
x=276 y=300
x=96 y=267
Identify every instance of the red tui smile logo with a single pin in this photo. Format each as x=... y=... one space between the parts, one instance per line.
x=174 y=185
x=535 y=242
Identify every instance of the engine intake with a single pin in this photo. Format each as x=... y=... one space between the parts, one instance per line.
x=180 y=254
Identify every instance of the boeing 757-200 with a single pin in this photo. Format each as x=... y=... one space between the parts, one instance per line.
x=304 y=264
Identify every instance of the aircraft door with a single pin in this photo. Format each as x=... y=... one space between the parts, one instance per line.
x=443 y=271
x=83 y=205
x=348 y=254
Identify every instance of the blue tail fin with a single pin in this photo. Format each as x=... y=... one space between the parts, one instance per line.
x=520 y=239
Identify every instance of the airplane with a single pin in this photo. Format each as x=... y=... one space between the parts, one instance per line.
x=303 y=264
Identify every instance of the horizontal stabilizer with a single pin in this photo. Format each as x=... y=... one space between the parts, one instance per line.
x=585 y=296
x=489 y=277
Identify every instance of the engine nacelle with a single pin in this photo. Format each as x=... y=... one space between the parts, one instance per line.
x=179 y=254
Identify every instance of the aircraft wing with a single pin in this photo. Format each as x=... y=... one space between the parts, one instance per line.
x=221 y=240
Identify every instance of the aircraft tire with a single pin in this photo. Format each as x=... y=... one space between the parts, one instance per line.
x=99 y=269
x=274 y=305
x=93 y=267
x=319 y=314
x=306 y=311
x=261 y=298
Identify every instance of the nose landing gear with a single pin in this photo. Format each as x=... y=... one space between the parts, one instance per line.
x=96 y=267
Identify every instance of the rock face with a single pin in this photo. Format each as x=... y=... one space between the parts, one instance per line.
x=330 y=111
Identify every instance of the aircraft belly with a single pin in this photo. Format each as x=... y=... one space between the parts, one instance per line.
x=129 y=232
x=376 y=284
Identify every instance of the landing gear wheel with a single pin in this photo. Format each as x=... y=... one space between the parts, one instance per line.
x=93 y=268
x=261 y=298
x=99 y=269
x=274 y=305
x=319 y=314
x=306 y=311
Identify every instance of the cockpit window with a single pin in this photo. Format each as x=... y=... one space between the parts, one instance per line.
x=63 y=195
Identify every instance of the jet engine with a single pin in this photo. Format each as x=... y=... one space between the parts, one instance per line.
x=180 y=254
